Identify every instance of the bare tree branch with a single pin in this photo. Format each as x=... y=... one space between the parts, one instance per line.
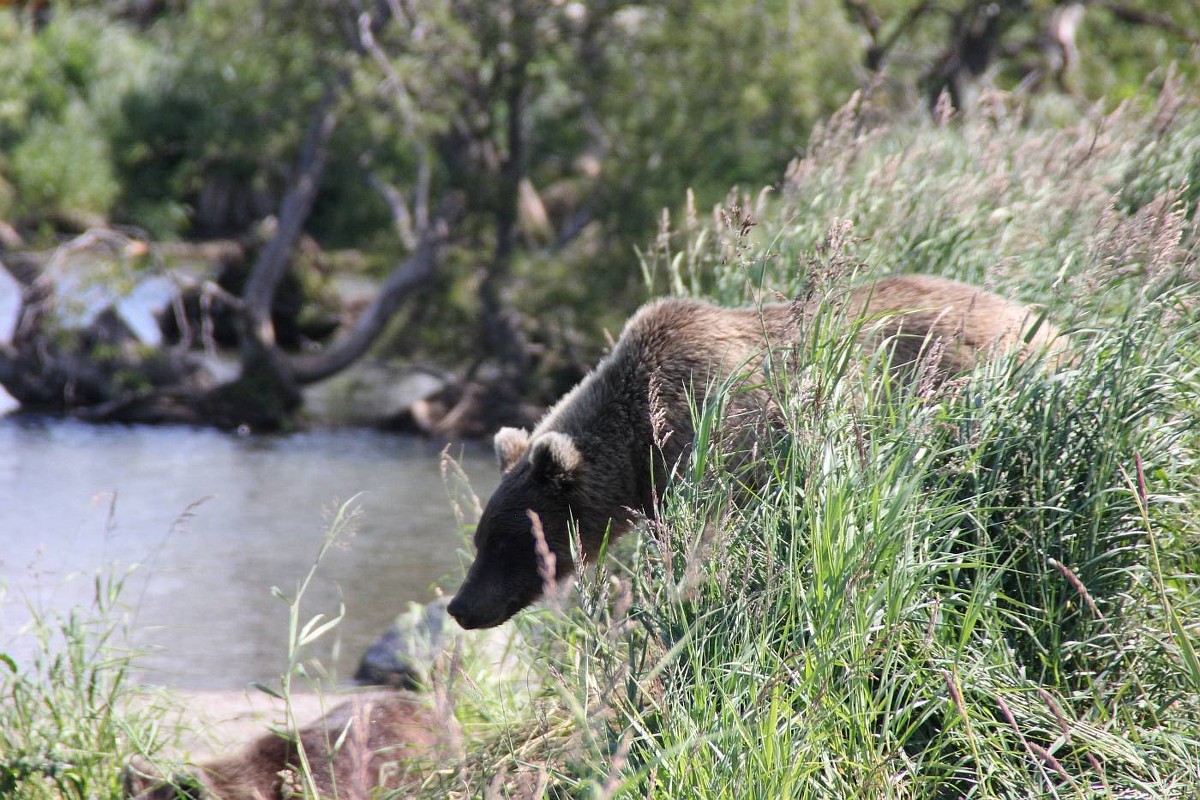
x=298 y=200
x=1136 y=16
x=402 y=219
x=406 y=109
x=414 y=272
x=881 y=46
x=906 y=25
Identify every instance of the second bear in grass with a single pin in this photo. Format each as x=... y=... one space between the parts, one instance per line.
x=363 y=748
x=601 y=456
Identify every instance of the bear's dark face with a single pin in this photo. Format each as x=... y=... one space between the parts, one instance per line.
x=539 y=477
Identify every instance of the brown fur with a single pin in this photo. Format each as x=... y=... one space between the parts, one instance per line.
x=602 y=454
x=384 y=734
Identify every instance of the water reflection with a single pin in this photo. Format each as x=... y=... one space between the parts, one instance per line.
x=214 y=521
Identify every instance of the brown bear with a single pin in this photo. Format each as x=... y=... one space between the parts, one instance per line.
x=602 y=454
x=361 y=748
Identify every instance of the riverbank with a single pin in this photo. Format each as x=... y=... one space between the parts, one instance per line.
x=218 y=722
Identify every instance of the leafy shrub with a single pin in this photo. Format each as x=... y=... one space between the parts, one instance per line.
x=58 y=93
x=63 y=165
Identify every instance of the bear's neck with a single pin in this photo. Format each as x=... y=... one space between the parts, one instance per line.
x=631 y=419
x=608 y=416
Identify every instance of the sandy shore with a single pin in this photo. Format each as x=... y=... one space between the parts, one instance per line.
x=213 y=722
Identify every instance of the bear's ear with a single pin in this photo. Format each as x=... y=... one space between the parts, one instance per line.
x=511 y=444
x=555 y=458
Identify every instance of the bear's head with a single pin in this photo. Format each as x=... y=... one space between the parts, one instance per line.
x=542 y=478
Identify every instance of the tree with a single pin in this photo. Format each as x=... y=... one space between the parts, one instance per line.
x=507 y=157
x=472 y=135
x=1028 y=43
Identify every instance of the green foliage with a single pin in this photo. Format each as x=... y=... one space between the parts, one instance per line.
x=1118 y=57
x=725 y=94
x=212 y=138
x=58 y=92
x=62 y=165
x=1101 y=51
x=69 y=717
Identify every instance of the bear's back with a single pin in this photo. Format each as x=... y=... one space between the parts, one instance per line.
x=366 y=744
x=960 y=324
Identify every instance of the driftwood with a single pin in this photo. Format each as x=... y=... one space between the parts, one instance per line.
x=102 y=372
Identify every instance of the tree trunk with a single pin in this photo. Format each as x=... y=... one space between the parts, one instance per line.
x=974 y=42
x=266 y=393
x=500 y=327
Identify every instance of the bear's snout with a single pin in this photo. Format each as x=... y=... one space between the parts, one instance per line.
x=486 y=603
x=469 y=615
x=461 y=613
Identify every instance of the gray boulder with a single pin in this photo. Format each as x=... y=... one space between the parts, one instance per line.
x=404 y=655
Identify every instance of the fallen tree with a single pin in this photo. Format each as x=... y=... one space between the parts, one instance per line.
x=102 y=372
x=99 y=369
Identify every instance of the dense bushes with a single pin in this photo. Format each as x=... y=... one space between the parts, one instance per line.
x=61 y=92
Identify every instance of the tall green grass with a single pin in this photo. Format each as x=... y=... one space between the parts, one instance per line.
x=70 y=715
x=986 y=588
x=947 y=598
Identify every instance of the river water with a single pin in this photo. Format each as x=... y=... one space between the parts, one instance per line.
x=209 y=522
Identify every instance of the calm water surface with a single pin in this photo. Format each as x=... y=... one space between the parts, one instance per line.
x=213 y=522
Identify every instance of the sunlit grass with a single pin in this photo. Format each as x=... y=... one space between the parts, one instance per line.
x=958 y=595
